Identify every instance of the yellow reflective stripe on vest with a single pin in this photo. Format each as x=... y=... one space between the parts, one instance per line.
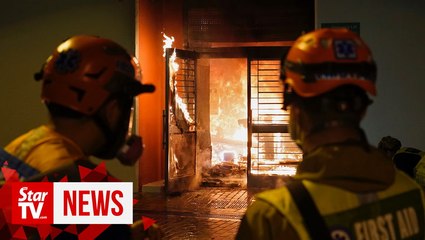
x=396 y=213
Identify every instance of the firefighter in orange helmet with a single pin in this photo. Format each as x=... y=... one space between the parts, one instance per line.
x=88 y=85
x=407 y=159
x=389 y=145
x=344 y=188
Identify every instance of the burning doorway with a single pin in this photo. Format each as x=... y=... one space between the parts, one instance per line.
x=228 y=123
x=272 y=155
x=209 y=27
x=224 y=122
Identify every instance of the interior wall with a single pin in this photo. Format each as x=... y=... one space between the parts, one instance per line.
x=394 y=30
x=153 y=19
x=29 y=31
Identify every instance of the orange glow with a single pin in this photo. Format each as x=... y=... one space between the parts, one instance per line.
x=168 y=43
x=174 y=68
x=279 y=170
x=228 y=110
x=274 y=153
x=152 y=19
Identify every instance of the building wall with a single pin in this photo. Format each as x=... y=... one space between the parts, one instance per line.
x=153 y=19
x=394 y=30
x=29 y=31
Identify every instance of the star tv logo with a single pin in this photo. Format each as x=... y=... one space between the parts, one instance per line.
x=73 y=203
x=32 y=203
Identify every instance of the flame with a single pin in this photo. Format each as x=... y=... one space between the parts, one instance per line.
x=279 y=170
x=274 y=155
x=174 y=68
x=168 y=43
x=183 y=107
x=175 y=162
x=240 y=134
x=174 y=65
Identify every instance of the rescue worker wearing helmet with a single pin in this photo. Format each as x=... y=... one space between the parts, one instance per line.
x=351 y=186
x=412 y=162
x=88 y=86
x=389 y=145
x=407 y=159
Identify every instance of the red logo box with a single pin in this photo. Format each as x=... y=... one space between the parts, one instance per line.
x=32 y=203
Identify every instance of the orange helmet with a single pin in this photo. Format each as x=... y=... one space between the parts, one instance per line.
x=325 y=59
x=84 y=71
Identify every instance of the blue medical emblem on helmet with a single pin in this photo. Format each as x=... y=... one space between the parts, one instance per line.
x=345 y=49
x=67 y=61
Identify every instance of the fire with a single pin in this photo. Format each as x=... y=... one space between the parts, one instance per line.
x=271 y=153
x=168 y=43
x=174 y=68
x=175 y=164
x=228 y=115
x=279 y=170
x=240 y=134
x=174 y=65
x=183 y=108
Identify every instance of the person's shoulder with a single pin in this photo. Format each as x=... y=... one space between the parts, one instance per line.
x=277 y=199
x=271 y=193
x=52 y=150
x=50 y=155
x=410 y=150
x=409 y=153
x=16 y=142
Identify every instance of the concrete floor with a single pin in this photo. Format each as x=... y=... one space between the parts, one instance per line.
x=207 y=213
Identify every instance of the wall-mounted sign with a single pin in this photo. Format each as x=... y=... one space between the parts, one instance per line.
x=353 y=26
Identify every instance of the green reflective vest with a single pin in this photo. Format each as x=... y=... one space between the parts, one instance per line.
x=395 y=213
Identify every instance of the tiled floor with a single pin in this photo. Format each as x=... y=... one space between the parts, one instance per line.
x=208 y=213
